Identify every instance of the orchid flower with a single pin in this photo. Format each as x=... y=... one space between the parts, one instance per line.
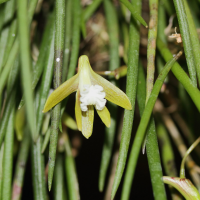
x=184 y=186
x=92 y=91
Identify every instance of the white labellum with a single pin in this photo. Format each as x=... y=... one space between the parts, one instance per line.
x=92 y=95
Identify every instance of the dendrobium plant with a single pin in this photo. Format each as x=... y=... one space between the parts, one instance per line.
x=92 y=91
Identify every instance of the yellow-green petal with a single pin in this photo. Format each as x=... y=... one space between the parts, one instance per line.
x=113 y=93
x=105 y=116
x=78 y=112
x=87 y=122
x=184 y=186
x=61 y=92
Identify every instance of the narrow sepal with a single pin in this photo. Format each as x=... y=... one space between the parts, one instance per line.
x=105 y=116
x=69 y=121
x=78 y=112
x=87 y=122
x=61 y=92
x=113 y=93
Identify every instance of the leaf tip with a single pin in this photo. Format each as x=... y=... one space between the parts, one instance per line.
x=49 y=188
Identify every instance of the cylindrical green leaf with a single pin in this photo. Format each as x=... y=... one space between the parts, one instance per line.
x=151 y=47
x=26 y=65
x=4 y=121
x=1 y=168
x=11 y=38
x=8 y=158
x=76 y=15
x=58 y=61
x=195 y=44
x=135 y=14
x=113 y=31
x=21 y=166
x=87 y=13
x=46 y=140
x=71 y=175
x=180 y=74
x=131 y=87
x=186 y=38
x=48 y=72
x=59 y=179
x=167 y=153
x=68 y=37
x=38 y=176
x=137 y=143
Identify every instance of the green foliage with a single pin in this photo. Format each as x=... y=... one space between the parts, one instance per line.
x=128 y=44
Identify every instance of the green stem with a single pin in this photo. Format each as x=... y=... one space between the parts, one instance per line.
x=46 y=140
x=3 y=42
x=9 y=11
x=151 y=48
x=2 y=10
x=1 y=168
x=168 y=4
x=71 y=175
x=20 y=167
x=88 y=12
x=75 y=44
x=161 y=27
x=59 y=179
x=10 y=99
x=180 y=74
x=75 y=38
x=167 y=156
x=135 y=14
x=8 y=158
x=153 y=154
x=143 y=125
x=194 y=39
x=31 y=9
x=128 y=179
x=182 y=169
x=11 y=39
x=131 y=87
x=68 y=37
x=48 y=71
x=186 y=38
x=152 y=99
x=195 y=12
x=58 y=61
x=167 y=153
x=38 y=176
x=162 y=23
x=113 y=31
x=4 y=122
x=5 y=73
x=12 y=78
x=44 y=48
x=14 y=51
x=154 y=162
x=125 y=33
x=26 y=65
